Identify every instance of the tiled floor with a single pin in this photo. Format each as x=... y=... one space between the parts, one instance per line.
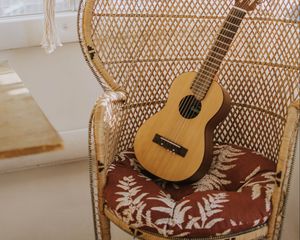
x=46 y=203
x=53 y=203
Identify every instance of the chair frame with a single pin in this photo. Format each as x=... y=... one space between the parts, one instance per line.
x=104 y=132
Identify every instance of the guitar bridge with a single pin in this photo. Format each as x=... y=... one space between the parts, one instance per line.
x=169 y=145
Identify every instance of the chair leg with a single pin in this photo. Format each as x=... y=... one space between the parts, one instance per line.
x=104 y=220
x=104 y=226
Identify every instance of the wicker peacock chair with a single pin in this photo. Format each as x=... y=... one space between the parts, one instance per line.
x=136 y=48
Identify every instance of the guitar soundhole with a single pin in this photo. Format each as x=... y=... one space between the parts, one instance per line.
x=189 y=107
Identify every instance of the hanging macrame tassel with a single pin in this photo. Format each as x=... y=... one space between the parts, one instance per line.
x=51 y=38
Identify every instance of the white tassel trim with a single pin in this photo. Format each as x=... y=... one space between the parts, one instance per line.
x=51 y=38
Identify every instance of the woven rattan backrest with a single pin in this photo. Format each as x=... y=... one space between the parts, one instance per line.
x=140 y=46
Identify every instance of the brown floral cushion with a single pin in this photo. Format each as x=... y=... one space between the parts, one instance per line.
x=234 y=196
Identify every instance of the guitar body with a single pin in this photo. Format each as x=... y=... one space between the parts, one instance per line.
x=176 y=143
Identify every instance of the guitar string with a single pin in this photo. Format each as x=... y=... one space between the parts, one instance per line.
x=234 y=13
x=212 y=51
x=195 y=83
x=231 y=17
x=192 y=101
x=207 y=63
x=208 y=71
x=239 y=10
x=204 y=66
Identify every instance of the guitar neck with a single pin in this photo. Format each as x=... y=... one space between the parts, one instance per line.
x=217 y=53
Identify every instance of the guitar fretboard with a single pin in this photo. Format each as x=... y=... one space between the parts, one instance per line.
x=220 y=47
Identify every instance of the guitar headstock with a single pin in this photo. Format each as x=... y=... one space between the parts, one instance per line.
x=248 y=5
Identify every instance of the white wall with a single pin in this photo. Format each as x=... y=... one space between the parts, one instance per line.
x=61 y=83
x=64 y=87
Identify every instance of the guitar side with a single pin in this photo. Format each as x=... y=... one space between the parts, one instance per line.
x=194 y=134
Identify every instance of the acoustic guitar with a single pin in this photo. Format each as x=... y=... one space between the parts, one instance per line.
x=176 y=143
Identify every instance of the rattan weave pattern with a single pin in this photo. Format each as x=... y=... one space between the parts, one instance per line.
x=145 y=44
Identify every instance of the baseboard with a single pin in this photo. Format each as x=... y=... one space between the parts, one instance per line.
x=75 y=149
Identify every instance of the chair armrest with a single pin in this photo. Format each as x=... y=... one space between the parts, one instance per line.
x=103 y=140
x=106 y=117
x=289 y=136
x=284 y=168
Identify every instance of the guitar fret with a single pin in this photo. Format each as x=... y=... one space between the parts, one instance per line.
x=222 y=49
x=233 y=20
x=233 y=24
x=226 y=29
x=201 y=73
x=210 y=56
x=237 y=12
x=225 y=36
x=210 y=62
x=237 y=18
x=210 y=67
x=219 y=49
x=202 y=83
x=203 y=80
x=203 y=86
x=206 y=78
x=206 y=81
x=227 y=44
x=239 y=9
x=223 y=39
x=234 y=28
x=222 y=45
x=200 y=93
x=214 y=52
x=227 y=32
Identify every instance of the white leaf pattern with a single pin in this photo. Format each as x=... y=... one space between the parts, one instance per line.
x=212 y=205
x=252 y=174
x=213 y=222
x=175 y=212
x=193 y=222
x=226 y=232
x=223 y=161
x=111 y=167
x=269 y=184
x=270 y=176
x=233 y=223
x=131 y=201
x=256 y=222
x=256 y=191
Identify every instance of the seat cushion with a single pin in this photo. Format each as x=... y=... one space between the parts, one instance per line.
x=234 y=196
